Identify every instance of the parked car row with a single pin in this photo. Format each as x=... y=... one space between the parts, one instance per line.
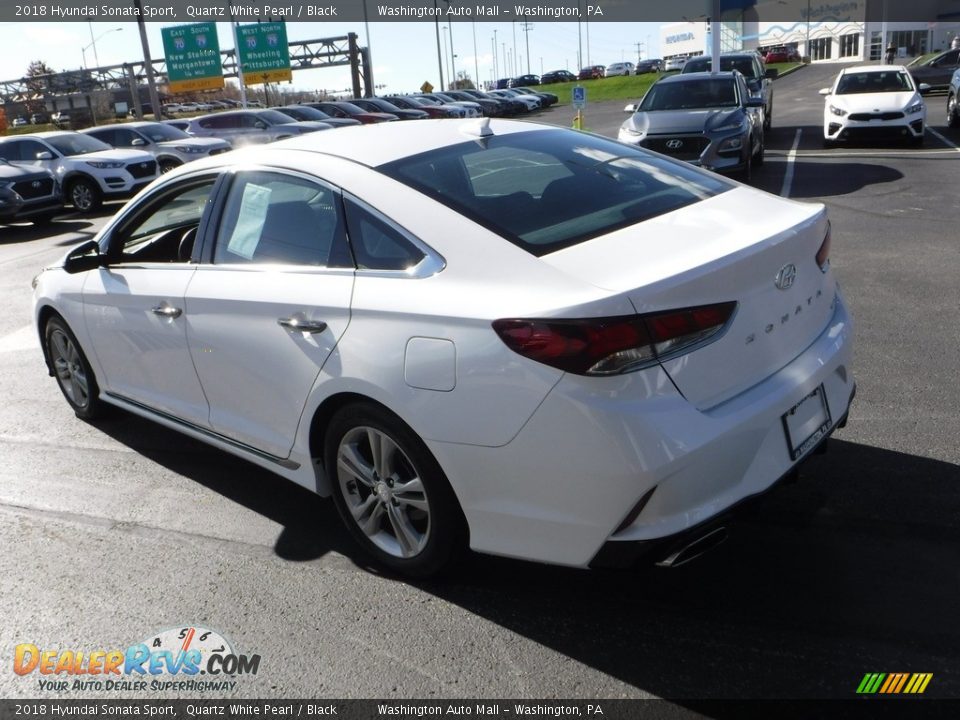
x=88 y=170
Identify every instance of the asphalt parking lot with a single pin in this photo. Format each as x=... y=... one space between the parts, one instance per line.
x=117 y=530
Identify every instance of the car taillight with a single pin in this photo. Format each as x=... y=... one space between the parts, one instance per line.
x=609 y=346
x=823 y=254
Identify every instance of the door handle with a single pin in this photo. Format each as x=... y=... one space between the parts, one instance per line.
x=302 y=325
x=167 y=311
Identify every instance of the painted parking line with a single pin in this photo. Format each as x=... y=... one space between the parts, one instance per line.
x=943 y=139
x=791 y=157
x=881 y=153
x=25 y=338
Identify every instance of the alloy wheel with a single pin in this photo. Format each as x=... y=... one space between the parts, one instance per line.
x=68 y=366
x=383 y=492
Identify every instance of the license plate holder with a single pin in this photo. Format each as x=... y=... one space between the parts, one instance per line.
x=807 y=422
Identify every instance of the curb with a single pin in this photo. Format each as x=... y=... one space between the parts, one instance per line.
x=792 y=70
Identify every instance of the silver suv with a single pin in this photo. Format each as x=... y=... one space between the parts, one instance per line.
x=88 y=170
x=170 y=146
x=242 y=127
x=750 y=65
x=28 y=194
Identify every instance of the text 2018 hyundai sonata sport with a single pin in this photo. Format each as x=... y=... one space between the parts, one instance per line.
x=536 y=342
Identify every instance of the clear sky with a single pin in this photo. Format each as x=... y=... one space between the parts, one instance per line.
x=404 y=54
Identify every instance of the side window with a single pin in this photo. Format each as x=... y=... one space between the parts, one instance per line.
x=271 y=217
x=30 y=149
x=10 y=151
x=123 y=137
x=103 y=136
x=166 y=228
x=376 y=244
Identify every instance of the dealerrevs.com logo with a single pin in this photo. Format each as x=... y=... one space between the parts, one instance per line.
x=193 y=659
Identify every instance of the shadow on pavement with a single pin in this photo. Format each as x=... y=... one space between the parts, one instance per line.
x=311 y=526
x=851 y=570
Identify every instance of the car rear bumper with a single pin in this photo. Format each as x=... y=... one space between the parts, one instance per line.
x=573 y=478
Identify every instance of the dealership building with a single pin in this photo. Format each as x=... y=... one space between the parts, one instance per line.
x=841 y=31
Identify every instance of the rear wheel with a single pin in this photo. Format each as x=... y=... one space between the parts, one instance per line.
x=758 y=158
x=84 y=195
x=73 y=373
x=391 y=492
x=953 y=112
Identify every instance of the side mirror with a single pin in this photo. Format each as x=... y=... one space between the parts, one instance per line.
x=83 y=257
x=923 y=87
x=631 y=108
x=260 y=125
x=824 y=91
x=45 y=155
x=138 y=142
x=772 y=73
x=755 y=102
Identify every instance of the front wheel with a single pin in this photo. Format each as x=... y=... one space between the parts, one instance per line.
x=168 y=165
x=84 y=195
x=746 y=173
x=73 y=373
x=953 y=112
x=391 y=492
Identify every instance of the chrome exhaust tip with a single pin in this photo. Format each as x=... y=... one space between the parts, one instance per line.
x=694 y=549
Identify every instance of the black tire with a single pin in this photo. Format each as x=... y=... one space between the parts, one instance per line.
x=917 y=141
x=759 y=157
x=746 y=174
x=416 y=532
x=74 y=375
x=167 y=165
x=953 y=112
x=84 y=194
x=768 y=118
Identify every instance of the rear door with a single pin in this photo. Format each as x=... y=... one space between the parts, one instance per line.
x=267 y=309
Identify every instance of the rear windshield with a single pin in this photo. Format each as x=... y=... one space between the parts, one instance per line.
x=549 y=189
x=744 y=64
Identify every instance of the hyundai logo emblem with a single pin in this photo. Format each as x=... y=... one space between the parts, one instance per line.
x=674 y=144
x=35 y=184
x=786 y=276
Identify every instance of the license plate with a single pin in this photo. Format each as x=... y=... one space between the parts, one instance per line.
x=806 y=423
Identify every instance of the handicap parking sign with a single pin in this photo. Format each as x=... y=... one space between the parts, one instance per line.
x=579 y=97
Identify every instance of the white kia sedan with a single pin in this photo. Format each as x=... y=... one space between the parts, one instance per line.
x=874 y=102
x=512 y=337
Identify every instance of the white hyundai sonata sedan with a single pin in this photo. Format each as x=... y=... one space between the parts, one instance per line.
x=512 y=337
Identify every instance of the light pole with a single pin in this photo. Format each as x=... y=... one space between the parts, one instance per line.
x=476 y=61
x=445 y=55
x=496 y=65
x=436 y=25
x=93 y=44
x=806 y=45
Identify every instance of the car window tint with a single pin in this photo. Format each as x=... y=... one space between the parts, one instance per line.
x=376 y=244
x=166 y=229
x=10 y=151
x=274 y=218
x=544 y=192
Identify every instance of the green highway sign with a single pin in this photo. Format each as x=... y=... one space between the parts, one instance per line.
x=192 y=53
x=264 y=53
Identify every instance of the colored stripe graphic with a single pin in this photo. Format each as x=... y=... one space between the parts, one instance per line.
x=894 y=683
